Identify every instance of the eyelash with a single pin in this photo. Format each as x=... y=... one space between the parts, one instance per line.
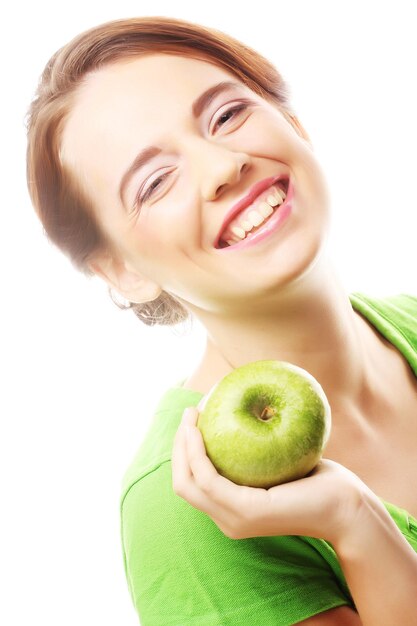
x=140 y=199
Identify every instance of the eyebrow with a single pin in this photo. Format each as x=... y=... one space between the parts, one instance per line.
x=198 y=107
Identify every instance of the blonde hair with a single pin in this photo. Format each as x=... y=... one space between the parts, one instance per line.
x=64 y=209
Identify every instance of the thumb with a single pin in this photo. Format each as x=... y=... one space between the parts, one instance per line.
x=190 y=413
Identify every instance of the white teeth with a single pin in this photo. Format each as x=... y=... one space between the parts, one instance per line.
x=247 y=225
x=265 y=208
x=255 y=217
x=272 y=200
x=281 y=192
x=239 y=232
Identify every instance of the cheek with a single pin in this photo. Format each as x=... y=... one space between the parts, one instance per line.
x=175 y=220
x=268 y=135
x=153 y=240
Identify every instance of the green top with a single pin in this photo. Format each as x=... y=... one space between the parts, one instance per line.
x=182 y=570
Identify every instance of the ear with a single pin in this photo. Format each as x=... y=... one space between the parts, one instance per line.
x=128 y=282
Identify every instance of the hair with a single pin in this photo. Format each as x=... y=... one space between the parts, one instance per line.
x=62 y=205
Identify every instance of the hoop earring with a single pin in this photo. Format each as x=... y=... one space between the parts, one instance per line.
x=122 y=305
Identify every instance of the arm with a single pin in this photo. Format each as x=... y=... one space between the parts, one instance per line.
x=331 y=503
x=379 y=565
x=341 y=616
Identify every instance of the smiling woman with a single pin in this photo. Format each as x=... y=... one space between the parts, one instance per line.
x=165 y=158
x=62 y=202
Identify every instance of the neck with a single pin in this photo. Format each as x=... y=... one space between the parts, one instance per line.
x=310 y=323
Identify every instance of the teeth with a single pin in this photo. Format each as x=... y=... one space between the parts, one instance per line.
x=272 y=200
x=247 y=225
x=239 y=232
x=281 y=192
x=266 y=209
x=256 y=217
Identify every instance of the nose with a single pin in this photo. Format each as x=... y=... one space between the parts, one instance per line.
x=217 y=167
x=224 y=177
x=214 y=190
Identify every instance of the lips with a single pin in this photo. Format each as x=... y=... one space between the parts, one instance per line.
x=250 y=198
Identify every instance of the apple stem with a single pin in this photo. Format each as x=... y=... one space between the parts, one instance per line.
x=267 y=413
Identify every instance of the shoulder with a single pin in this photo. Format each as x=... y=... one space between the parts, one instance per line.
x=156 y=444
x=395 y=317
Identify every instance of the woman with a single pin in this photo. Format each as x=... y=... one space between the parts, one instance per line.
x=145 y=136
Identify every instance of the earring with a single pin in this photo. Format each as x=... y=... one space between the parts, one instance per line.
x=122 y=305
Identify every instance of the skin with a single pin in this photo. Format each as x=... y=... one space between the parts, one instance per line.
x=280 y=299
x=303 y=314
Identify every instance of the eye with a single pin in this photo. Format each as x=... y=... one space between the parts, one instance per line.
x=140 y=199
x=231 y=111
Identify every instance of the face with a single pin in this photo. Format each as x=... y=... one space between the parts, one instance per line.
x=168 y=217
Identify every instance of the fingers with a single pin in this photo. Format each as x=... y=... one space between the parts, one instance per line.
x=184 y=482
x=201 y=467
x=239 y=511
x=206 y=477
x=181 y=471
x=304 y=507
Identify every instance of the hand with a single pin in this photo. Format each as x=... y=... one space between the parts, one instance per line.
x=323 y=504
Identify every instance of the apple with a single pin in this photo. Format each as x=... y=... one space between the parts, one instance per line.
x=265 y=423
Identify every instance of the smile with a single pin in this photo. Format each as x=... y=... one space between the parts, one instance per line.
x=267 y=222
x=250 y=219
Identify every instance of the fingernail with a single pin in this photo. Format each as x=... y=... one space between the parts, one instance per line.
x=188 y=412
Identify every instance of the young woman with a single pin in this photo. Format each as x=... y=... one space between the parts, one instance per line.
x=165 y=158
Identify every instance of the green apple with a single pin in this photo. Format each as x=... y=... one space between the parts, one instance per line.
x=265 y=423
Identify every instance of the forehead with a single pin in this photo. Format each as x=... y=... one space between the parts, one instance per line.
x=151 y=79
x=131 y=103
x=156 y=85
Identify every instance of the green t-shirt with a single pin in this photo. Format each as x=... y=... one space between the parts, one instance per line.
x=183 y=571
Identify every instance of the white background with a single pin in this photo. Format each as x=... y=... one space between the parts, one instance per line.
x=80 y=377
